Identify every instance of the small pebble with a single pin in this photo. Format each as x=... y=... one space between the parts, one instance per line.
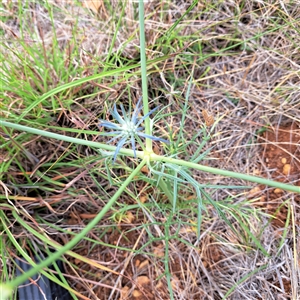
x=286 y=169
x=283 y=160
x=278 y=191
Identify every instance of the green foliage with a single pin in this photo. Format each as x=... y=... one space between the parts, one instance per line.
x=43 y=83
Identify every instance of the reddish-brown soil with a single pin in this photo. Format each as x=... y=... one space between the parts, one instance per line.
x=281 y=156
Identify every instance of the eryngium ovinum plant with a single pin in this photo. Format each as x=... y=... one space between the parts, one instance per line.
x=169 y=172
x=128 y=128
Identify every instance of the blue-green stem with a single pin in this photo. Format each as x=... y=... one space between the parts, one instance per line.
x=154 y=157
x=77 y=238
x=69 y=139
x=148 y=129
x=232 y=174
x=144 y=74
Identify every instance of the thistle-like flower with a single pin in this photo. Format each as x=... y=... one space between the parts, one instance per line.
x=128 y=129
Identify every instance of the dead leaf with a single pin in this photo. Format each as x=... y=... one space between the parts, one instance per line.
x=254 y=191
x=142 y=280
x=159 y=251
x=136 y=294
x=129 y=218
x=143 y=265
x=124 y=293
x=143 y=198
x=94 y=5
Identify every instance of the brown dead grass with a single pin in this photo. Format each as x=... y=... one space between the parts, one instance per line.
x=248 y=86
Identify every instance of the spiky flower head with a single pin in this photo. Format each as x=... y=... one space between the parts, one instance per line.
x=128 y=128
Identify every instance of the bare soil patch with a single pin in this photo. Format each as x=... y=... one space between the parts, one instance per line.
x=281 y=153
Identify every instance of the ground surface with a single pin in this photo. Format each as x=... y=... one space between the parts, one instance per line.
x=243 y=60
x=280 y=159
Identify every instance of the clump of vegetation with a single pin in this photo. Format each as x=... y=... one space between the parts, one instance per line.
x=156 y=199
